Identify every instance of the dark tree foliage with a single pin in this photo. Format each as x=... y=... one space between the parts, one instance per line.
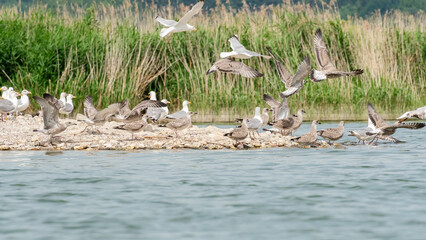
x=361 y=8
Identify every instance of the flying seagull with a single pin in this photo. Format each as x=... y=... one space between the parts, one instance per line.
x=326 y=66
x=382 y=129
x=171 y=26
x=419 y=113
x=293 y=84
x=280 y=110
x=239 y=51
x=228 y=65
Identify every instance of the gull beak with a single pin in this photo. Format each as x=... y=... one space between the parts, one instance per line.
x=1 y=97
x=190 y=103
x=168 y=102
x=29 y=93
x=195 y=30
x=74 y=97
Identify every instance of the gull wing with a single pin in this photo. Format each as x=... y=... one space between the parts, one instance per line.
x=143 y=106
x=49 y=111
x=6 y=105
x=375 y=118
x=112 y=109
x=194 y=10
x=321 y=52
x=235 y=43
x=285 y=76
x=303 y=70
x=89 y=108
x=166 y=22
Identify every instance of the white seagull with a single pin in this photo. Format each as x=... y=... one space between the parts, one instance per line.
x=182 y=25
x=239 y=51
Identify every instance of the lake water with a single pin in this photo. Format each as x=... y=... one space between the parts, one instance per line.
x=361 y=192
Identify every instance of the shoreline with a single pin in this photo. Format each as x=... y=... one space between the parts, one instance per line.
x=18 y=135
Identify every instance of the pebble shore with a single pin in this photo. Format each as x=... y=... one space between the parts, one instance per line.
x=17 y=134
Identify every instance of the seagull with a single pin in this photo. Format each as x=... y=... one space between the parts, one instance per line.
x=327 y=68
x=93 y=117
x=50 y=107
x=134 y=127
x=180 y=124
x=298 y=120
x=68 y=105
x=143 y=107
x=254 y=123
x=419 y=113
x=293 y=84
x=309 y=138
x=239 y=51
x=4 y=93
x=158 y=113
x=63 y=98
x=383 y=130
x=24 y=101
x=182 y=113
x=280 y=110
x=333 y=134
x=125 y=109
x=10 y=104
x=284 y=125
x=171 y=26
x=228 y=65
x=239 y=134
x=361 y=134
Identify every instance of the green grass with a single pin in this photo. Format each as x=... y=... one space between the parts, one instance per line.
x=115 y=53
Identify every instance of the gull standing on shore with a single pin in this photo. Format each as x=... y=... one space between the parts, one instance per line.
x=182 y=113
x=156 y=114
x=182 y=25
x=24 y=101
x=254 y=123
x=68 y=105
x=327 y=69
x=333 y=134
x=134 y=127
x=239 y=51
x=50 y=107
x=293 y=84
x=309 y=138
x=239 y=134
x=180 y=124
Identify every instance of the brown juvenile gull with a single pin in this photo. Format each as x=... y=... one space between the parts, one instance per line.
x=134 y=127
x=182 y=25
x=298 y=120
x=309 y=138
x=239 y=51
x=284 y=125
x=383 y=130
x=227 y=65
x=419 y=113
x=327 y=69
x=280 y=110
x=50 y=107
x=125 y=109
x=180 y=124
x=333 y=134
x=293 y=84
x=140 y=109
x=93 y=117
x=239 y=134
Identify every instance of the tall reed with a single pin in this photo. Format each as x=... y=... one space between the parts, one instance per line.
x=114 y=52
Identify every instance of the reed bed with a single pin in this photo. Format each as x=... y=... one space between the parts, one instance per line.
x=115 y=53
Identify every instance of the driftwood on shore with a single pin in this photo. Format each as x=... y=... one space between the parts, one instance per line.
x=17 y=134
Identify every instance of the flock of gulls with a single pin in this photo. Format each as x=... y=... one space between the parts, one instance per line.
x=152 y=111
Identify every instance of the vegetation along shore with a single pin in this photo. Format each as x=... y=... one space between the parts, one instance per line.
x=114 y=53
